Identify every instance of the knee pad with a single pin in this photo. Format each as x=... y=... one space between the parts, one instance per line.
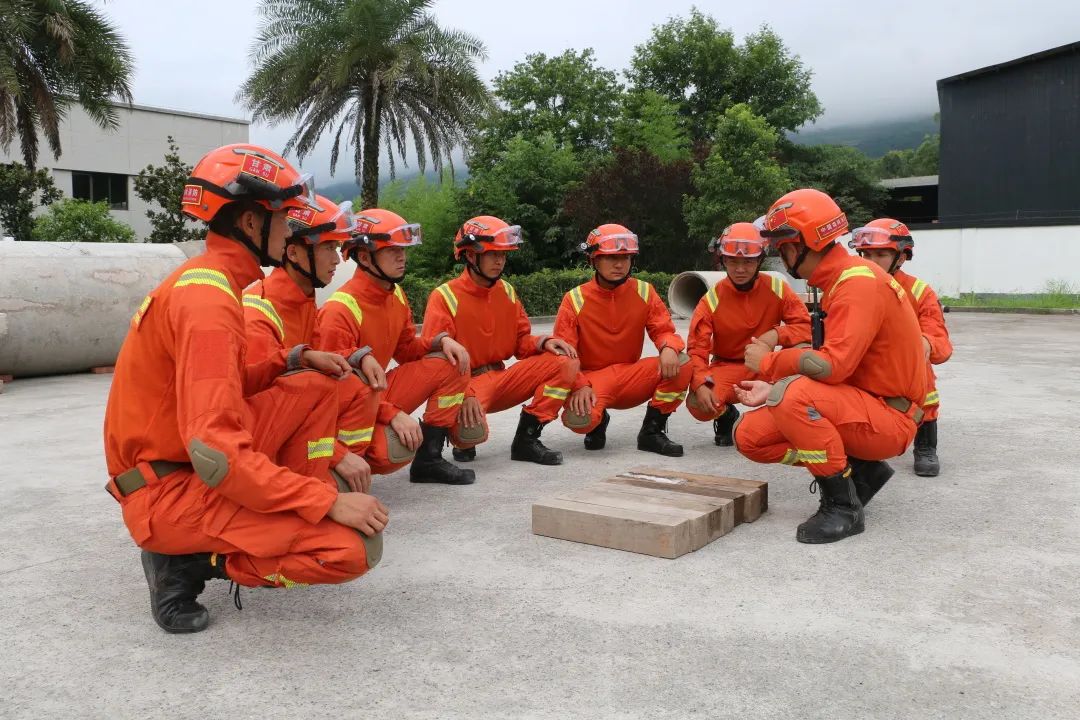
x=735 y=431
x=576 y=422
x=700 y=413
x=396 y=452
x=373 y=548
x=779 y=388
x=463 y=437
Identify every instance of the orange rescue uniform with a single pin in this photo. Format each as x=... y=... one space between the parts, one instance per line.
x=723 y=324
x=492 y=324
x=608 y=329
x=182 y=379
x=364 y=314
x=932 y=323
x=843 y=398
x=278 y=315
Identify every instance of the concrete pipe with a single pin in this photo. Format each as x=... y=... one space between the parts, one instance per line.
x=65 y=307
x=689 y=287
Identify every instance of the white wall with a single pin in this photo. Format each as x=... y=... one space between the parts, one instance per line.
x=996 y=260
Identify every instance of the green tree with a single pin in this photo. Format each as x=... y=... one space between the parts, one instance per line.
x=55 y=54
x=695 y=63
x=651 y=122
x=379 y=72
x=163 y=186
x=433 y=204
x=81 y=221
x=19 y=186
x=739 y=178
x=845 y=173
x=525 y=185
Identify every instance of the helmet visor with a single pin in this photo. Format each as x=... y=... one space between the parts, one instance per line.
x=873 y=237
x=735 y=247
x=507 y=238
x=408 y=235
x=615 y=244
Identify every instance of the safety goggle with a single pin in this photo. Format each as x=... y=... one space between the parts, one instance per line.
x=620 y=243
x=408 y=235
x=873 y=237
x=507 y=238
x=736 y=247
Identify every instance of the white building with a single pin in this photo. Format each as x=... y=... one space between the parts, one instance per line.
x=97 y=164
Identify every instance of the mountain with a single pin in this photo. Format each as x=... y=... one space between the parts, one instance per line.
x=350 y=189
x=875 y=139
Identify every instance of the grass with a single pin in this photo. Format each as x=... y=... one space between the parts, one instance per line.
x=1059 y=294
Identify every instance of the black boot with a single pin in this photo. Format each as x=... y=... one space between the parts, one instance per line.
x=596 y=438
x=723 y=425
x=652 y=436
x=464 y=454
x=527 y=445
x=869 y=476
x=925 y=451
x=175 y=581
x=429 y=466
x=839 y=515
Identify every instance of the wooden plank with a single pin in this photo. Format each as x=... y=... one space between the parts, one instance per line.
x=738 y=497
x=715 y=481
x=698 y=518
x=103 y=370
x=618 y=528
x=721 y=509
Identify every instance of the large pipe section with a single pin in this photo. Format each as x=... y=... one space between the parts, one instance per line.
x=689 y=287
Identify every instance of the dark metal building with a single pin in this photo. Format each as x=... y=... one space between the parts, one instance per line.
x=1010 y=142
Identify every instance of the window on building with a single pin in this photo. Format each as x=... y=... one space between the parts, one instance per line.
x=101 y=187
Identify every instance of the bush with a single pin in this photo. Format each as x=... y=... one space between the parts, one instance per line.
x=541 y=292
x=81 y=221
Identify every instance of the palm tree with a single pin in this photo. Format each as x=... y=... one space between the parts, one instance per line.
x=54 y=53
x=374 y=72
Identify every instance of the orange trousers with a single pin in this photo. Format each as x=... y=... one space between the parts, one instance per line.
x=724 y=375
x=184 y=515
x=932 y=407
x=432 y=379
x=624 y=386
x=358 y=405
x=817 y=425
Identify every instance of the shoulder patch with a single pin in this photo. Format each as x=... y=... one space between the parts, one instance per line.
x=918 y=289
x=400 y=295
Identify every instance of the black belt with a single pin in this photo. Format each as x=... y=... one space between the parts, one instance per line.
x=488 y=368
x=131 y=480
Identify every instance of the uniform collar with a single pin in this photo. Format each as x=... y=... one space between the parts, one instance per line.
x=363 y=285
x=234 y=257
x=280 y=285
x=469 y=285
x=597 y=287
x=836 y=261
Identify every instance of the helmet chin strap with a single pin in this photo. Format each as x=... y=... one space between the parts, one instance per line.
x=262 y=250
x=793 y=270
x=310 y=275
x=376 y=271
x=613 y=283
x=749 y=284
x=475 y=268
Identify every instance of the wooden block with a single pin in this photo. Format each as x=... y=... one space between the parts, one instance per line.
x=648 y=533
x=708 y=521
x=6 y=378
x=713 y=481
x=739 y=498
x=104 y=370
x=721 y=509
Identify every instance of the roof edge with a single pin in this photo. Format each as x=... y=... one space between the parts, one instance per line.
x=1073 y=47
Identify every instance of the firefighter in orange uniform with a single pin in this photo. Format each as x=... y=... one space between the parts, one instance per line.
x=484 y=313
x=187 y=418
x=888 y=244
x=370 y=314
x=279 y=311
x=606 y=319
x=841 y=408
x=742 y=307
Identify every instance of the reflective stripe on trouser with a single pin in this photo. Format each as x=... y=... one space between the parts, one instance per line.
x=723 y=375
x=191 y=518
x=816 y=425
x=433 y=380
x=358 y=405
x=932 y=405
x=620 y=387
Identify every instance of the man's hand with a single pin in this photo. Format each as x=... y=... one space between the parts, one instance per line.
x=669 y=363
x=373 y=372
x=555 y=346
x=457 y=353
x=752 y=393
x=471 y=413
x=582 y=400
x=355 y=471
x=326 y=363
x=925 y=349
x=362 y=512
x=408 y=430
x=755 y=352
x=704 y=395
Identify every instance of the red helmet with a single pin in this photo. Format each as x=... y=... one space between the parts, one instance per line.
x=807 y=215
x=328 y=222
x=610 y=239
x=739 y=240
x=377 y=229
x=244 y=172
x=883 y=233
x=486 y=233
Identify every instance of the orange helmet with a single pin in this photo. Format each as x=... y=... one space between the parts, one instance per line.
x=739 y=240
x=486 y=233
x=327 y=222
x=243 y=172
x=807 y=215
x=883 y=233
x=377 y=229
x=610 y=239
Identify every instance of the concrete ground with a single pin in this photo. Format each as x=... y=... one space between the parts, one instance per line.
x=961 y=599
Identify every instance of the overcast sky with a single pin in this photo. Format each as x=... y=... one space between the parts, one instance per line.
x=869 y=59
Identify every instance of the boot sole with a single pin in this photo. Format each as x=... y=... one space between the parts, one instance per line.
x=661 y=452
x=148 y=571
x=426 y=481
x=928 y=473
x=723 y=442
x=826 y=541
x=546 y=461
